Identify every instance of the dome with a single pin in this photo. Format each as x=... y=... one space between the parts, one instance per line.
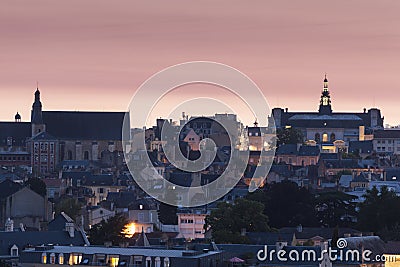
x=17 y=116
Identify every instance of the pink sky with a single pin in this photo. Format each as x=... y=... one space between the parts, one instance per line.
x=92 y=55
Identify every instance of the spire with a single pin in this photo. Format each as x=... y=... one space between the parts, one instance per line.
x=36 y=115
x=325 y=107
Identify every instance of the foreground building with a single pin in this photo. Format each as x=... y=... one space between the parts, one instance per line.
x=115 y=256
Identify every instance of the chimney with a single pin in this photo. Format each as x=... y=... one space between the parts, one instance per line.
x=9 y=225
x=70 y=228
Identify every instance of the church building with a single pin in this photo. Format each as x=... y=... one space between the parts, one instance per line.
x=53 y=136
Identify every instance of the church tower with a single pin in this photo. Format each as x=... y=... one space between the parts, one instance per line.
x=36 y=115
x=325 y=107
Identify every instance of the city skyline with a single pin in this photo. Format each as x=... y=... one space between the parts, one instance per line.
x=94 y=58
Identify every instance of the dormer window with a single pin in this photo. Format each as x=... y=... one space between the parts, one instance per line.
x=14 y=251
x=44 y=258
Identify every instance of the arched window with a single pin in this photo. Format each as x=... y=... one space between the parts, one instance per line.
x=69 y=155
x=44 y=258
x=317 y=137
x=325 y=137
x=86 y=155
x=52 y=258
x=148 y=262
x=61 y=258
x=333 y=137
x=157 y=262
x=166 y=262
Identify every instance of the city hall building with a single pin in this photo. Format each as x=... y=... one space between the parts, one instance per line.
x=330 y=129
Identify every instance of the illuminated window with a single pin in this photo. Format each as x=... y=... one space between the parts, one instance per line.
x=60 y=258
x=114 y=261
x=75 y=259
x=325 y=137
x=44 y=258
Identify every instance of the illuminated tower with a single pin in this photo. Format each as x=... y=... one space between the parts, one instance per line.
x=325 y=107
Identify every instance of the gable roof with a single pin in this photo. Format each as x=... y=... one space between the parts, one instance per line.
x=287 y=149
x=86 y=125
x=24 y=239
x=309 y=151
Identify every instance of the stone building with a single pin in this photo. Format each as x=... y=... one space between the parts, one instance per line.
x=72 y=135
x=328 y=128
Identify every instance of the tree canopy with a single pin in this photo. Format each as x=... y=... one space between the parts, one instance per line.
x=111 y=230
x=228 y=220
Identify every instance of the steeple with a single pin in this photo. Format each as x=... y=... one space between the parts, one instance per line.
x=36 y=114
x=325 y=107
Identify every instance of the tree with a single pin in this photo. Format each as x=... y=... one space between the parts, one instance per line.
x=289 y=136
x=111 y=230
x=379 y=211
x=72 y=207
x=228 y=220
x=37 y=185
x=335 y=209
x=287 y=204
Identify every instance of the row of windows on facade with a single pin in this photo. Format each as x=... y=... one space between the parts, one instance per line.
x=388 y=141
x=191 y=221
x=324 y=137
x=15 y=158
x=111 y=261
x=390 y=149
x=43 y=147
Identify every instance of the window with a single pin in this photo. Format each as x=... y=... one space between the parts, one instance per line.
x=148 y=262
x=75 y=259
x=14 y=251
x=157 y=262
x=333 y=137
x=52 y=258
x=166 y=262
x=114 y=261
x=141 y=217
x=44 y=258
x=317 y=137
x=60 y=258
x=86 y=155
x=325 y=137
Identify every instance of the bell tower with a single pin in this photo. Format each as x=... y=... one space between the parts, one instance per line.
x=36 y=115
x=325 y=107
